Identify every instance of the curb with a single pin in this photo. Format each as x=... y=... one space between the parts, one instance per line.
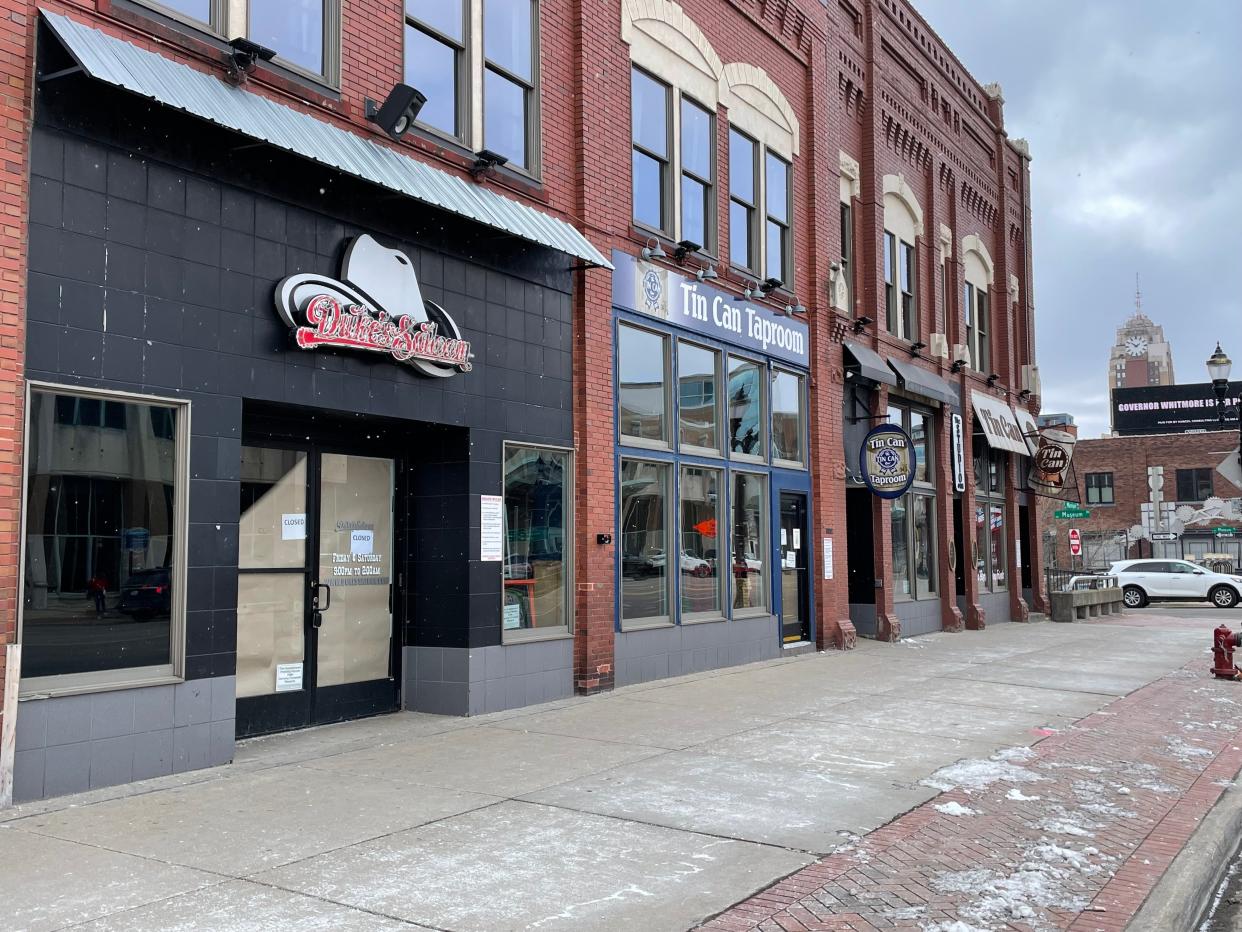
x=1184 y=894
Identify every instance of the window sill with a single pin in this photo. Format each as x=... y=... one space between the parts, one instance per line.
x=690 y=450
x=514 y=636
x=703 y=620
x=629 y=627
x=788 y=464
x=747 y=613
x=56 y=687
x=642 y=444
x=428 y=140
x=747 y=459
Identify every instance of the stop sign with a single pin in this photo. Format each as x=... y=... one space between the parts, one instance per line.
x=1075 y=542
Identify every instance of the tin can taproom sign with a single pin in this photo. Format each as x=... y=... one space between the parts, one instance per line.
x=887 y=461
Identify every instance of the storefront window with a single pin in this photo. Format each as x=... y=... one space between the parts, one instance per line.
x=702 y=589
x=997 y=546
x=788 y=427
x=642 y=396
x=991 y=568
x=750 y=574
x=538 y=539
x=913 y=517
x=645 y=543
x=698 y=374
x=745 y=408
x=104 y=538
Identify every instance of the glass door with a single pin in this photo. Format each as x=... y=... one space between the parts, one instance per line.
x=795 y=582
x=314 y=594
x=352 y=593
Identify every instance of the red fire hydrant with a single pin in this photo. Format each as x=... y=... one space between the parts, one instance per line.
x=1223 y=643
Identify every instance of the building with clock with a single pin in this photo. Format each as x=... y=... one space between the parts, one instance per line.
x=1140 y=355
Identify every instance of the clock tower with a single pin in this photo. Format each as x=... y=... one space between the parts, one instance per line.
x=1140 y=355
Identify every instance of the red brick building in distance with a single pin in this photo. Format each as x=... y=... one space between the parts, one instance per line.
x=658 y=268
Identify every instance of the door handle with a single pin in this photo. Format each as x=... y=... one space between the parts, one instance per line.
x=320 y=589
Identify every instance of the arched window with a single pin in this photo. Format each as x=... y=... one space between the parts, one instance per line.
x=976 y=302
x=903 y=225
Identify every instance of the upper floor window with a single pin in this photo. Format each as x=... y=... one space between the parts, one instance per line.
x=847 y=253
x=903 y=225
x=475 y=60
x=756 y=194
x=303 y=33
x=1099 y=488
x=778 y=192
x=1194 y=485
x=651 y=132
x=698 y=162
x=977 y=312
x=743 y=201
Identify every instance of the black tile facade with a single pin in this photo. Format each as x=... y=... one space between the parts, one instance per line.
x=155 y=273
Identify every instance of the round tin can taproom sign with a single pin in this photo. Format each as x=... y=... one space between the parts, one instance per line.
x=1051 y=463
x=887 y=461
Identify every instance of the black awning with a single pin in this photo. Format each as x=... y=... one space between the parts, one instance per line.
x=867 y=364
x=921 y=382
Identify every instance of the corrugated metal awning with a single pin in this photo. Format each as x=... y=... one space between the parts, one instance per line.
x=921 y=382
x=151 y=75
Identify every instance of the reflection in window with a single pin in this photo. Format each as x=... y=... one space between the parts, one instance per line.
x=997 y=530
x=701 y=538
x=195 y=9
x=920 y=435
x=294 y=28
x=644 y=541
x=787 y=416
x=641 y=397
x=435 y=56
x=749 y=547
x=537 y=535
x=697 y=174
x=101 y=534
x=509 y=78
x=924 y=546
x=777 y=192
x=649 y=101
x=899 y=521
x=698 y=373
x=743 y=200
x=744 y=406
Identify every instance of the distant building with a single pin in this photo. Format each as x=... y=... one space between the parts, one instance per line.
x=1140 y=355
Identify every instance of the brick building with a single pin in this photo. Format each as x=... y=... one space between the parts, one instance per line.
x=1113 y=486
x=304 y=422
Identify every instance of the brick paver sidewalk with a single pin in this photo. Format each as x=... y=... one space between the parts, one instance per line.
x=1070 y=834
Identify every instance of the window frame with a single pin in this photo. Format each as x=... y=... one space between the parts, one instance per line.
x=560 y=632
x=908 y=268
x=992 y=463
x=785 y=226
x=765 y=542
x=773 y=372
x=723 y=540
x=891 y=276
x=928 y=489
x=1195 y=475
x=667 y=442
x=754 y=246
x=667 y=196
x=672 y=542
x=332 y=29
x=711 y=224
x=1098 y=487
x=847 y=254
x=764 y=419
x=471 y=77
x=717 y=452
x=70 y=684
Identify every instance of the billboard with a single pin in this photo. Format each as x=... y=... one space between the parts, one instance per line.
x=1167 y=409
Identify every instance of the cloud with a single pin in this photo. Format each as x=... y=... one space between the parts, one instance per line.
x=1131 y=114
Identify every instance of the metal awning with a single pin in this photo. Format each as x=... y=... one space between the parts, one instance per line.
x=868 y=364
x=149 y=74
x=999 y=426
x=921 y=382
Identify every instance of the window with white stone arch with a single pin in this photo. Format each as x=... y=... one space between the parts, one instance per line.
x=903 y=227
x=979 y=274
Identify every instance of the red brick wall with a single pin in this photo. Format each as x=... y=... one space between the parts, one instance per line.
x=1128 y=458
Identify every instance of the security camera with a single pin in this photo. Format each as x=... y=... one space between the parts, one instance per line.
x=398 y=112
x=770 y=284
x=244 y=55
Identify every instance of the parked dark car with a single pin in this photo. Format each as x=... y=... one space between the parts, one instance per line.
x=147 y=594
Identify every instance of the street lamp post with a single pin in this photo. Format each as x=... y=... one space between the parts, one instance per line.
x=1219 y=366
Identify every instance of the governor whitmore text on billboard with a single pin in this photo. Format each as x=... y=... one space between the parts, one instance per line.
x=1167 y=409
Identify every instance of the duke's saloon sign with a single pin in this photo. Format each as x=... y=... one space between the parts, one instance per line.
x=376 y=307
x=886 y=462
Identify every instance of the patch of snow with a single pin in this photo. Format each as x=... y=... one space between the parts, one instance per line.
x=1015 y=753
x=1064 y=827
x=957 y=926
x=977 y=774
x=1184 y=751
x=1157 y=787
x=1018 y=796
x=955 y=809
x=1123 y=790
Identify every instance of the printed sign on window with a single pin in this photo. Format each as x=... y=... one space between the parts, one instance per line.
x=293 y=527
x=288 y=677
x=361 y=542
x=491 y=528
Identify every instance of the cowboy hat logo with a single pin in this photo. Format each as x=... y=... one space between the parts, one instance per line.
x=377 y=307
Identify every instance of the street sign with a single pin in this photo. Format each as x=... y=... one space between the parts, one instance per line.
x=1073 y=511
x=1163 y=535
x=1225 y=531
x=1075 y=541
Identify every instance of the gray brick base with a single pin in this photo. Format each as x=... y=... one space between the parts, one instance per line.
x=461 y=681
x=657 y=653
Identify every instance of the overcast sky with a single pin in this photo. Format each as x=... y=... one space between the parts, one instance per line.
x=1133 y=109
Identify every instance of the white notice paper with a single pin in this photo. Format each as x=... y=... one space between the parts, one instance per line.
x=827 y=558
x=784 y=539
x=513 y=617
x=797 y=538
x=288 y=677
x=293 y=527
x=491 y=528
x=361 y=541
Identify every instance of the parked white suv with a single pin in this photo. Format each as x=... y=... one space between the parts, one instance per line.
x=1144 y=581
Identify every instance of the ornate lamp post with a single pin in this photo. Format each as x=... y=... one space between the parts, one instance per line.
x=1219 y=366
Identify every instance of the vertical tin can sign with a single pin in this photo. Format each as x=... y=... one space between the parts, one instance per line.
x=886 y=461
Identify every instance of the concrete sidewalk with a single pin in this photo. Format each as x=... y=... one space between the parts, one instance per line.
x=654 y=807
